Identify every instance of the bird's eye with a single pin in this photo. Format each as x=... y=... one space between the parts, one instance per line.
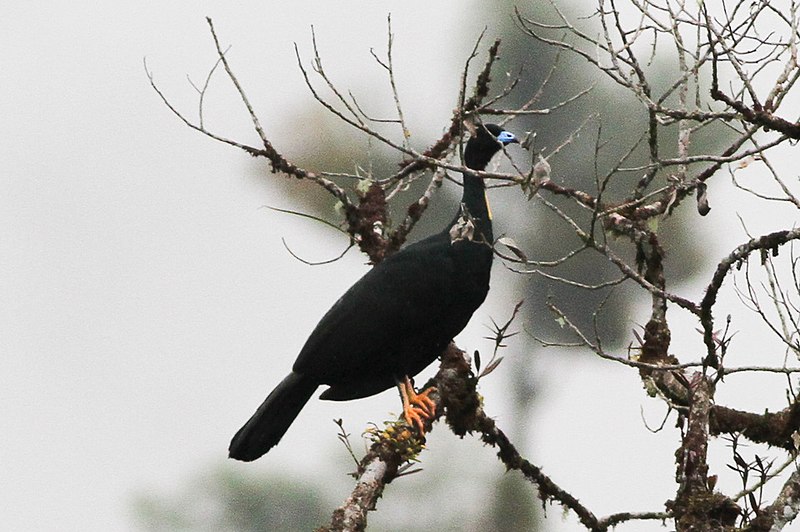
x=506 y=138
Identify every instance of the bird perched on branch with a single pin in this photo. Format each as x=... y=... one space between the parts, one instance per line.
x=394 y=321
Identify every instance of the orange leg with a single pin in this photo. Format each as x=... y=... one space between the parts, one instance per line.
x=417 y=407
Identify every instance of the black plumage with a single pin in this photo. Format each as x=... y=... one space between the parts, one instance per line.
x=395 y=320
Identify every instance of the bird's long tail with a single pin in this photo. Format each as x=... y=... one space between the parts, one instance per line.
x=268 y=425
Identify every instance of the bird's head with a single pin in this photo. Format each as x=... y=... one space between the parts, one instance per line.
x=484 y=142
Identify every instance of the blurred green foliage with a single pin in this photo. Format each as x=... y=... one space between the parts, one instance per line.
x=226 y=499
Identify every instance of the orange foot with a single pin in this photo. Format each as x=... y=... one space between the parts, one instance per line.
x=417 y=407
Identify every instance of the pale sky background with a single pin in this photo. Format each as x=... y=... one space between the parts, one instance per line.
x=149 y=305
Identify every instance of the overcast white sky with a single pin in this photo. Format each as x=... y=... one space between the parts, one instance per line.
x=148 y=304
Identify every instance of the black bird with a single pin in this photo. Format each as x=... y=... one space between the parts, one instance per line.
x=396 y=319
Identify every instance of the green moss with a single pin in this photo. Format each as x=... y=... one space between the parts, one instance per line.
x=398 y=437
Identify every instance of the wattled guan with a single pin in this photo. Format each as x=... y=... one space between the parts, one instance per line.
x=396 y=320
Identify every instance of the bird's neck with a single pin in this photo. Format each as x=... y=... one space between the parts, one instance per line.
x=476 y=204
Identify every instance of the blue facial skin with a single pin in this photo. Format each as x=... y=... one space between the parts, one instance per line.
x=506 y=138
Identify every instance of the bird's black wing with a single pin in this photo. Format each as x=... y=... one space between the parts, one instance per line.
x=387 y=324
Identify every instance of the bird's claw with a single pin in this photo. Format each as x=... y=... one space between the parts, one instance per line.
x=417 y=407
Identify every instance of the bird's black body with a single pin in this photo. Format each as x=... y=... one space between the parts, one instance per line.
x=396 y=319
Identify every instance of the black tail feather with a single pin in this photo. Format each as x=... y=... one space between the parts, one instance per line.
x=268 y=425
